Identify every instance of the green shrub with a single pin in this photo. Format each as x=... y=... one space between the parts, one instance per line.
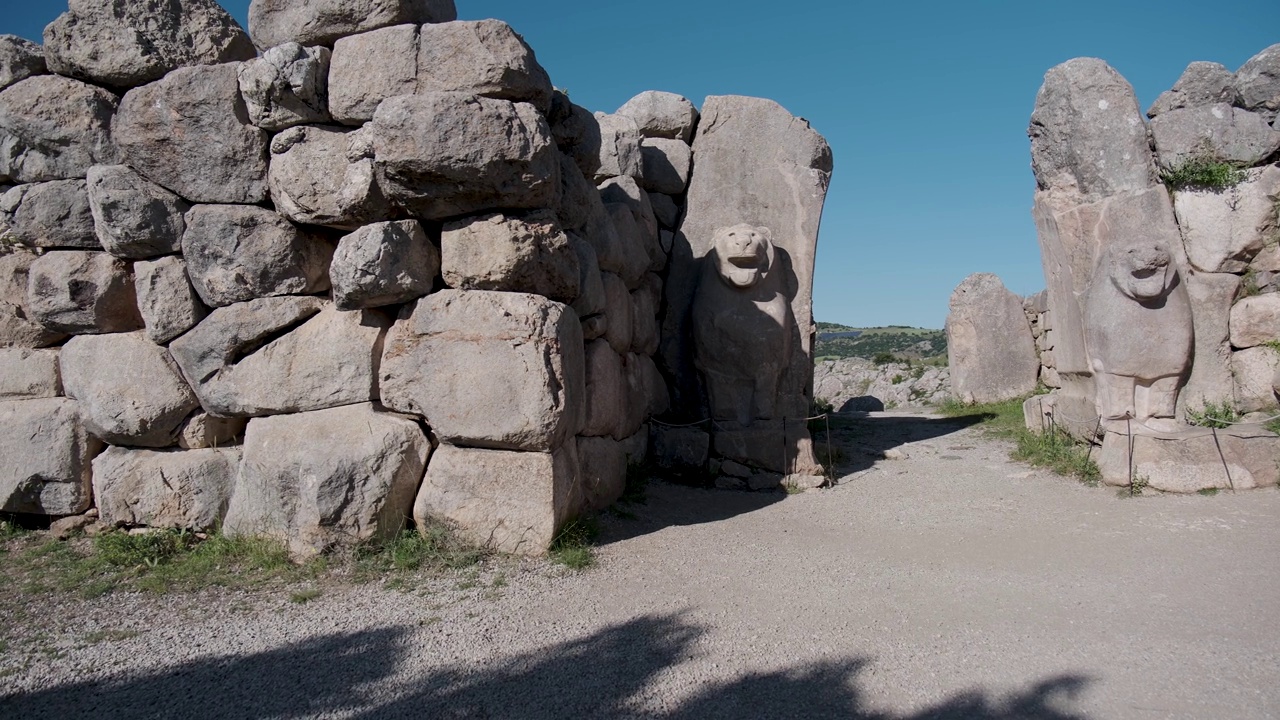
x=1203 y=173
x=884 y=358
x=572 y=547
x=1214 y=415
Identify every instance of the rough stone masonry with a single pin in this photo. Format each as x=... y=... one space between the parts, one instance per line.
x=364 y=263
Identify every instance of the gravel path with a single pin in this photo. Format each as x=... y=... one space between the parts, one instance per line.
x=948 y=583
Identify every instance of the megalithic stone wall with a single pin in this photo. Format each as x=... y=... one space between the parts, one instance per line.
x=291 y=279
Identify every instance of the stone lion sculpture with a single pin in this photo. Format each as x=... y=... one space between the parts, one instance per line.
x=1139 y=335
x=742 y=325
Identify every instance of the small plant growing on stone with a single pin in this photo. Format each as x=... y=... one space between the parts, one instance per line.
x=1203 y=173
x=1218 y=415
x=897 y=380
x=1249 y=283
x=572 y=547
x=1208 y=492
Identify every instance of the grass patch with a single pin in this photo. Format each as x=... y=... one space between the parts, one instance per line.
x=1003 y=419
x=573 y=547
x=109 y=635
x=302 y=597
x=1203 y=173
x=1208 y=492
x=436 y=549
x=1054 y=449
x=1214 y=415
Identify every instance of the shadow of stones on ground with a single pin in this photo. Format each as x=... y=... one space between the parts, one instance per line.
x=863 y=438
x=606 y=675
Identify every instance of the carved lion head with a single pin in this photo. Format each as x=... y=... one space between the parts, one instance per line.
x=743 y=254
x=1143 y=271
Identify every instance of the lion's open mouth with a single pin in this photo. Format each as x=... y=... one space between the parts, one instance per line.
x=744 y=261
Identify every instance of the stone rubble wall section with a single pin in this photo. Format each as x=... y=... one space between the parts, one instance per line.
x=203 y=277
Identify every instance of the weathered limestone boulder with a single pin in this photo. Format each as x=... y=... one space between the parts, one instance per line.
x=525 y=254
x=640 y=395
x=665 y=165
x=1211 y=296
x=123 y=44
x=1241 y=457
x=54 y=128
x=132 y=216
x=643 y=372
x=324 y=176
x=321 y=22
x=444 y=154
x=298 y=485
x=319 y=357
x=602 y=471
x=190 y=132
x=665 y=210
x=46 y=452
x=488 y=369
x=1218 y=131
x=202 y=430
x=679 y=449
x=624 y=251
x=1087 y=132
x=1201 y=84
x=383 y=264
x=591 y=298
x=26 y=374
x=1254 y=373
x=168 y=303
x=369 y=68
x=1258 y=83
x=662 y=115
x=1255 y=320
x=626 y=190
x=82 y=292
x=576 y=132
x=607 y=393
x=287 y=86
x=241 y=252
x=17 y=327
x=514 y=502
x=1224 y=229
x=989 y=345
x=578 y=197
x=482 y=57
x=619 y=147
x=618 y=309
x=644 y=319
x=49 y=215
x=187 y=489
x=749 y=149
x=19 y=59
x=128 y=388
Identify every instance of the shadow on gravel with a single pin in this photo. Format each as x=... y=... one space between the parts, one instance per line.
x=862 y=438
x=607 y=675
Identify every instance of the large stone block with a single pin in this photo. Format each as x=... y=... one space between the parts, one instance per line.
x=17 y=327
x=627 y=191
x=168 y=303
x=618 y=310
x=619 y=147
x=525 y=254
x=602 y=471
x=607 y=394
x=1220 y=132
x=482 y=57
x=1258 y=83
x=314 y=357
x=665 y=165
x=644 y=320
x=190 y=132
x=756 y=164
x=123 y=44
x=46 y=451
x=27 y=374
x=55 y=128
x=129 y=389
x=1087 y=132
x=576 y=132
x=1211 y=296
x=187 y=489
x=324 y=176
x=488 y=369
x=19 y=59
x=287 y=86
x=1196 y=459
x=445 y=154
x=1255 y=320
x=662 y=115
x=236 y=253
x=513 y=502
x=321 y=22
x=298 y=485
x=577 y=199
x=369 y=68
x=1254 y=371
x=591 y=299
x=202 y=430
x=49 y=215
x=989 y=345
x=383 y=264
x=82 y=292
x=1223 y=230
x=1201 y=84
x=132 y=216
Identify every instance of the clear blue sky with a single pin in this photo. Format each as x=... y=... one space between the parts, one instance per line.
x=925 y=105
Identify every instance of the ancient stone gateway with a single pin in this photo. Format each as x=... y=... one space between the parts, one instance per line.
x=380 y=269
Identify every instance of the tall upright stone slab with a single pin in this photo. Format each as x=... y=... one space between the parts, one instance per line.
x=755 y=163
x=990 y=349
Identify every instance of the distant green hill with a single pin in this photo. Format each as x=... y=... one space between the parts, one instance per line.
x=900 y=341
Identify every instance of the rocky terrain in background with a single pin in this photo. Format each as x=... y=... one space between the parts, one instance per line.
x=860 y=384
